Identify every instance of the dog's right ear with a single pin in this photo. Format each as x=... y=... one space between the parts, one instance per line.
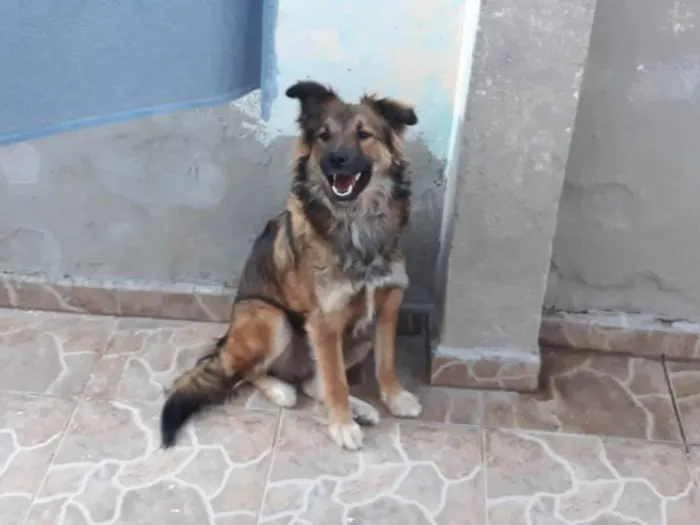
x=313 y=98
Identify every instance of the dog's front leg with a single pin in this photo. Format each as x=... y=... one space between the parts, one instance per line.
x=399 y=401
x=325 y=331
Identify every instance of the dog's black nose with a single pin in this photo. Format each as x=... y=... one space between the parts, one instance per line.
x=338 y=159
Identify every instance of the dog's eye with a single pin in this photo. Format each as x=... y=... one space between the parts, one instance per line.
x=362 y=134
x=324 y=136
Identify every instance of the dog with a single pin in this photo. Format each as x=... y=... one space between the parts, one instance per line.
x=324 y=281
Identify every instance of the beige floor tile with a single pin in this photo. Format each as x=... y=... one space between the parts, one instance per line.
x=685 y=380
x=50 y=353
x=109 y=468
x=695 y=463
x=561 y=479
x=144 y=356
x=597 y=395
x=30 y=431
x=440 y=405
x=406 y=474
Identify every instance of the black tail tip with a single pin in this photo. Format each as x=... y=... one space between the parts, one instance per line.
x=178 y=409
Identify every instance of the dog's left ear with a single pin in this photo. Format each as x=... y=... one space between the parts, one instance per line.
x=313 y=98
x=397 y=114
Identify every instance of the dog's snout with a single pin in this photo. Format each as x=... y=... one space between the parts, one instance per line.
x=338 y=159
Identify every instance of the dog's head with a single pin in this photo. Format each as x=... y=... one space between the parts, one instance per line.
x=349 y=145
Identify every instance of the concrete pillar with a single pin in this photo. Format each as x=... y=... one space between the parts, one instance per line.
x=503 y=192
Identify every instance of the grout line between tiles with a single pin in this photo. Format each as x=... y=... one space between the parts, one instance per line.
x=569 y=434
x=484 y=477
x=481 y=410
x=32 y=393
x=427 y=342
x=273 y=449
x=64 y=432
x=676 y=409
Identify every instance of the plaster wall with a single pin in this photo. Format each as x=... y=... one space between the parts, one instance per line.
x=628 y=229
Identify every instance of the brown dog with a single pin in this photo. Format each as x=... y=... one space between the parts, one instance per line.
x=325 y=280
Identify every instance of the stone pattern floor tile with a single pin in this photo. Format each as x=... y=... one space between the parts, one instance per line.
x=50 y=353
x=30 y=431
x=588 y=394
x=695 y=463
x=556 y=479
x=685 y=381
x=440 y=405
x=109 y=468
x=144 y=356
x=407 y=474
x=80 y=400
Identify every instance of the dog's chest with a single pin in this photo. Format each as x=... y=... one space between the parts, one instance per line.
x=377 y=278
x=363 y=247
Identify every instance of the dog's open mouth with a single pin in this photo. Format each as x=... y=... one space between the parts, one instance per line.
x=347 y=186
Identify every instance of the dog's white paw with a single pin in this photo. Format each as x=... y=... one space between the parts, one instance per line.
x=282 y=394
x=346 y=435
x=278 y=392
x=403 y=404
x=363 y=413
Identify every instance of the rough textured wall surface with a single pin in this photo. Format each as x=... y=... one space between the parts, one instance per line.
x=528 y=63
x=628 y=235
x=169 y=198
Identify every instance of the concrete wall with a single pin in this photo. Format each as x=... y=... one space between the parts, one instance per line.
x=628 y=235
x=171 y=198
x=178 y=197
x=528 y=61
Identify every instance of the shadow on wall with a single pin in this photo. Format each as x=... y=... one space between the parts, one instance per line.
x=173 y=198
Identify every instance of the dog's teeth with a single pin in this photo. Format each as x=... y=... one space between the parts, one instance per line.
x=357 y=176
x=342 y=193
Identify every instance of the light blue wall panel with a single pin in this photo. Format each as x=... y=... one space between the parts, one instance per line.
x=69 y=63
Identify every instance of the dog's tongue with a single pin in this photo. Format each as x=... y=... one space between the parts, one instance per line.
x=343 y=182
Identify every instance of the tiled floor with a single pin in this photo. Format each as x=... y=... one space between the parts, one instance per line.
x=79 y=407
x=685 y=381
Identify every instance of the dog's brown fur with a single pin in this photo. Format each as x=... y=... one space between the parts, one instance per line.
x=325 y=280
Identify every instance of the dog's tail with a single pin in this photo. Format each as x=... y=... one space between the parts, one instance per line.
x=210 y=381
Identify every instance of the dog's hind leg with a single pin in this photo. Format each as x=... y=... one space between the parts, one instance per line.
x=258 y=334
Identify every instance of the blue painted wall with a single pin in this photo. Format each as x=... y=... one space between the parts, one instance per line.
x=68 y=63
